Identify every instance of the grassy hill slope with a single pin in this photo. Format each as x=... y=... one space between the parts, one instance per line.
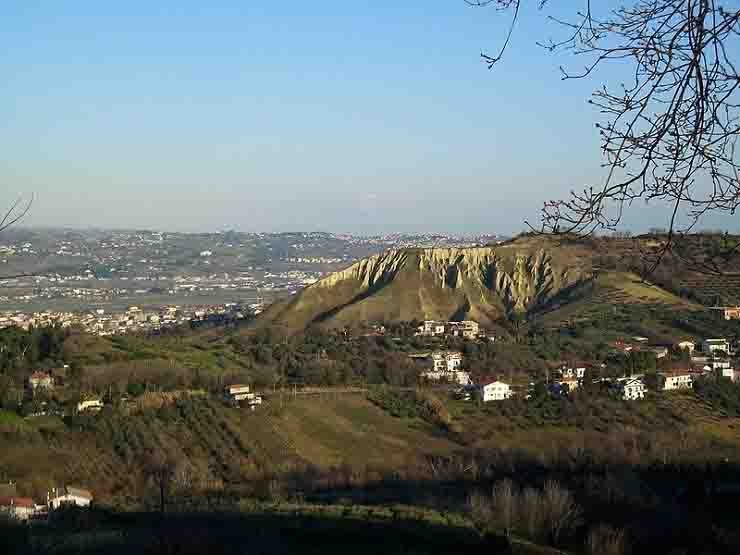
x=215 y=444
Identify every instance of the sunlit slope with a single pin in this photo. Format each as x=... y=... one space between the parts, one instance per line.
x=486 y=284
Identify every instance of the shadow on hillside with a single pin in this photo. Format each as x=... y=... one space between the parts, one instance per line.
x=663 y=509
x=92 y=532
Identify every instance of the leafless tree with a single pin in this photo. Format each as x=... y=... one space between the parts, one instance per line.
x=504 y=502
x=669 y=133
x=605 y=540
x=560 y=511
x=14 y=214
x=481 y=512
x=161 y=470
x=529 y=512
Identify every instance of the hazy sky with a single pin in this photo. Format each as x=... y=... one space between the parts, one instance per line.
x=363 y=116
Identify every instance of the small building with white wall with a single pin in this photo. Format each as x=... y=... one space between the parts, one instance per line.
x=631 y=388
x=711 y=346
x=69 y=496
x=676 y=380
x=494 y=390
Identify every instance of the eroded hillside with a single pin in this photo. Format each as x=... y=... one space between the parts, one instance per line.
x=482 y=283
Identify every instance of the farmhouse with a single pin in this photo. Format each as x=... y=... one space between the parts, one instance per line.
x=90 y=405
x=720 y=364
x=569 y=373
x=431 y=328
x=712 y=346
x=493 y=390
x=239 y=393
x=69 y=495
x=20 y=508
x=449 y=361
x=629 y=388
x=441 y=361
x=456 y=376
x=467 y=329
x=676 y=380
x=568 y=384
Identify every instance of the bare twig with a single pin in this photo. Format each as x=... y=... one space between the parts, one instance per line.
x=669 y=134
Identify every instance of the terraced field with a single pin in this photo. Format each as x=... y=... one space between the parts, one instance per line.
x=719 y=290
x=610 y=291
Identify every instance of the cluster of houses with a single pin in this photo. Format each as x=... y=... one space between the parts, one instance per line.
x=466 y=329
x=446 y=366
x=40 y=385
x=442 y=366
x=45 y=382
x=22 y=508
x=132 y=319
x=713 y=357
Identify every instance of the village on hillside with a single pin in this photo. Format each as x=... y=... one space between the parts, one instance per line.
x=711 y=357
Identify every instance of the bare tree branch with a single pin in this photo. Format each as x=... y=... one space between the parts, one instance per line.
x=669 y=134
x=17 y=211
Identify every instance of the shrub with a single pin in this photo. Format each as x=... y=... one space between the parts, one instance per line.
x=605 y=540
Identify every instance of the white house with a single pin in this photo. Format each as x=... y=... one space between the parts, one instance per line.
x=577 y=373
x=630 y=388
x=446 y=361
x=676 y=380
x=710 y=346
x=90 y=405
x=720 y=364
x=494 y=390
x=238 y=393
x=468 y=329
x=457 y=376
x=68 y=495
x=20 y=508
x=432 y=328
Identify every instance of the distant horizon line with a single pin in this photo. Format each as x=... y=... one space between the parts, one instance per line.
x=19 y=227
x=466 y=235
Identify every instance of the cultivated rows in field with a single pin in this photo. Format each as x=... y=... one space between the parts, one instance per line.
x=726 y=289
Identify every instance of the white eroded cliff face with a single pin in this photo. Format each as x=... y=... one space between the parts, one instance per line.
x=520 y=279
x=369 y=271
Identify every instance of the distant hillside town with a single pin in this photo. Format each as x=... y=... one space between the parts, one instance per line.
x=134 y=319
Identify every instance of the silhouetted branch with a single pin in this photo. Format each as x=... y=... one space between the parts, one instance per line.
x=669 y=134
x=13 y=215
x=16 y=212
